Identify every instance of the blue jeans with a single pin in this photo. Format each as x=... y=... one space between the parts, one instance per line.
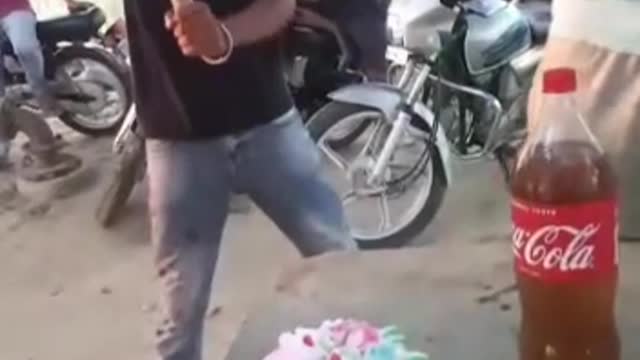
x=277 y=165
x=20 y=27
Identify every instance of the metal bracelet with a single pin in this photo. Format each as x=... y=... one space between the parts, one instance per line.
x=224 y=58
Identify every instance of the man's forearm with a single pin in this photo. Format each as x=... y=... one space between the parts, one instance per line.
x=261 y=20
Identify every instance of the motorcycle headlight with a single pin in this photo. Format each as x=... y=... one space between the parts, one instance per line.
x=395 y=29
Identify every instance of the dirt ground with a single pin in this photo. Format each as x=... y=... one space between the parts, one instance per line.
x=72 y=291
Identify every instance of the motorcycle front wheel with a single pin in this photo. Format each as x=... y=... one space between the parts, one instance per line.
x=92 y=88
x=131 y=163
x=414 y=183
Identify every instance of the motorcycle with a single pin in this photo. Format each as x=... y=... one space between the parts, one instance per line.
x=320 y=59
x=463 y=95
x=128 y=146
x=90 y=85
x=111 y=38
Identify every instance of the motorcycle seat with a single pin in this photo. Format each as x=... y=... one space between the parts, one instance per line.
x=538 y=12
x=79 y=26
x=307 y=39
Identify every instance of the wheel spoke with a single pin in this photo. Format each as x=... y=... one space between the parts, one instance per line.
x=333 y=156
x=349 y=197
x=383 y=205
x=370 y=140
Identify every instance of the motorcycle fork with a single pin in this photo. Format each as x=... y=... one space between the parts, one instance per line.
x=125 y=130
x=401 y=122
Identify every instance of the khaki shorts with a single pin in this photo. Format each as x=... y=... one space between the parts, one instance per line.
x=609 y=99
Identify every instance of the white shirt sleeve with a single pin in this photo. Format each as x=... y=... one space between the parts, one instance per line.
x=614 y=24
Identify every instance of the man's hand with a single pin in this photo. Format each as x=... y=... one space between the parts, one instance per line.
x=197 y=31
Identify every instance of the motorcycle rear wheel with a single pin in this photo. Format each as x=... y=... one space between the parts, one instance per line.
x=121 y=184
x=117 y=70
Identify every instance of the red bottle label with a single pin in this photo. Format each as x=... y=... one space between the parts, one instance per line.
x=565 y=243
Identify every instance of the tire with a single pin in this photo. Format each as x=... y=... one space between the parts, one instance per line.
x=351 y=136
x=119 y=71
x=120 y=185
x=343 y=141
x=334 y=112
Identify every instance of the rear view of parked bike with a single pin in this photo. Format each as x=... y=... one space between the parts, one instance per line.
x=90 y=85
x=465 y=100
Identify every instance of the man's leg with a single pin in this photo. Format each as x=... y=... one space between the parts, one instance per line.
x=279 y=165
x=189 y=187
x=20 y=27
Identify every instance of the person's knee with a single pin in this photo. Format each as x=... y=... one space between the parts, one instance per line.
x=319 y=236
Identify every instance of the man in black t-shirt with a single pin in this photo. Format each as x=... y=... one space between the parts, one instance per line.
x=218 y=118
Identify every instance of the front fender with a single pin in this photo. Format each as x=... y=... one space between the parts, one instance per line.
x=389 y=99
x=384 y=97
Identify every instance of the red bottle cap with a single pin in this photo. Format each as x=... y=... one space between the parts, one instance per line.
x=559 y=81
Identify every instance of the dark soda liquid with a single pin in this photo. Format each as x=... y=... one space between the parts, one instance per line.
x=567 y=321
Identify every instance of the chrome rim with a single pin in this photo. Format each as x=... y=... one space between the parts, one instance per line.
x=346 y=167
x=343 y=131
x=90 y=77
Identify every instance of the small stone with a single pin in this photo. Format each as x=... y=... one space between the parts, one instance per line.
x=39 y=210
x=428 y=339
x=56 y=291
x=149 y=308
x=214 y=311
x=105 y=290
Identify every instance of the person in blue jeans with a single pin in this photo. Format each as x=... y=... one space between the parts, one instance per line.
x=18 y=24
x=218 y=118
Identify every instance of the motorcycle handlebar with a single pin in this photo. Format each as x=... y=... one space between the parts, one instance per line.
x=453 y=3
x=449 y=3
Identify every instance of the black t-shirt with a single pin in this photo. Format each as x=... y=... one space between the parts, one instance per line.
x=185 y=98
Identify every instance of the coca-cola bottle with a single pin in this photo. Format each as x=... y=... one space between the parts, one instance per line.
x=564 y=214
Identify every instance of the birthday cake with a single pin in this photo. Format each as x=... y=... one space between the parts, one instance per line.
x=344 y=340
